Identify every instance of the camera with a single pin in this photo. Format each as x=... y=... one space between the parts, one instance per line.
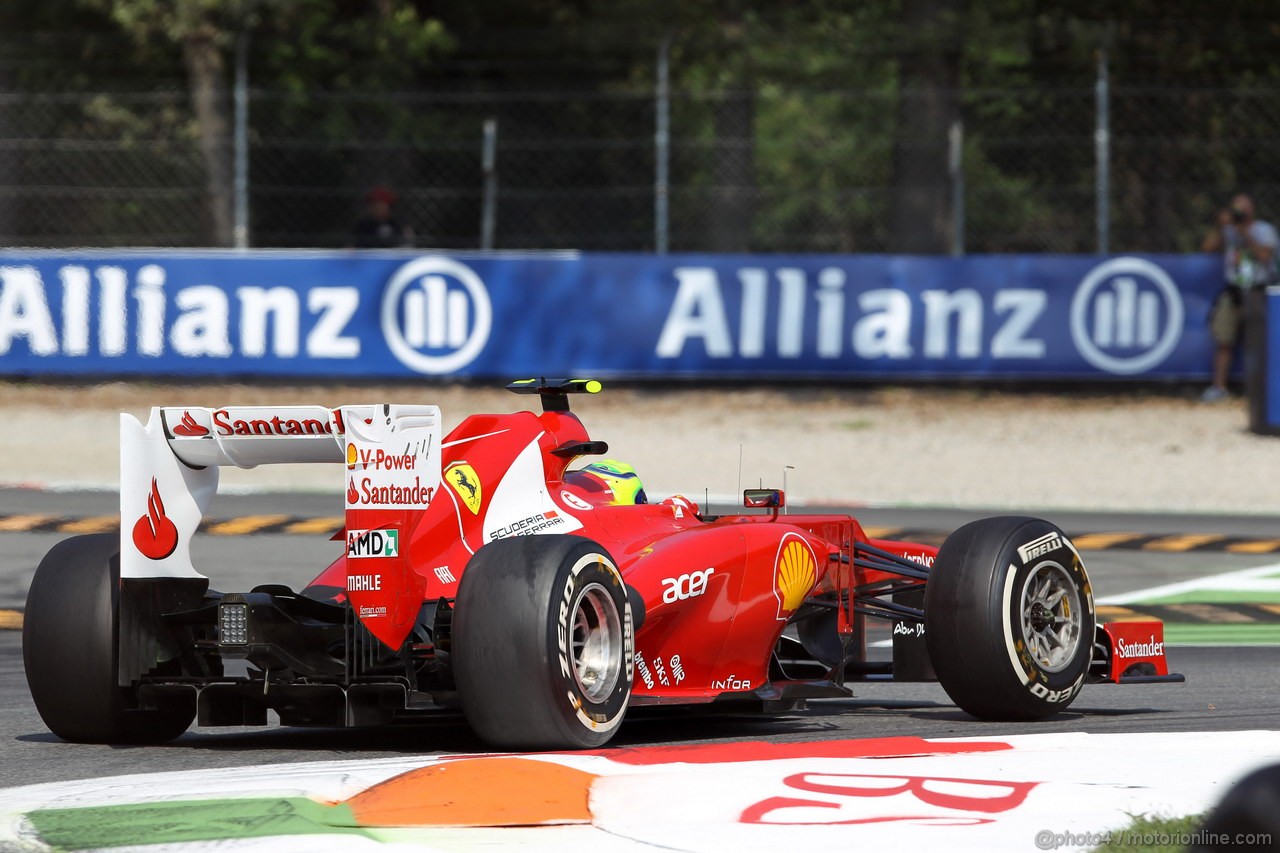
x=1237 y=215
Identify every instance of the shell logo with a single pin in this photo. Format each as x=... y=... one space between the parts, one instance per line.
x=795 y=574
x=351 y=456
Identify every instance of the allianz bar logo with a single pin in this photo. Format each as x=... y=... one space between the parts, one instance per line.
x=107 y=311
x=435 y=314
x=1126 y=316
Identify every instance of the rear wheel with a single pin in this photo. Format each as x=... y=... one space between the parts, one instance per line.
x=69 y=649
x=543 y=643
x=1009 y=618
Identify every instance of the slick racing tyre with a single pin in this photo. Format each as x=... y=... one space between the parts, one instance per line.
x=1009 y=619
x=543 y=643
x=69 y=649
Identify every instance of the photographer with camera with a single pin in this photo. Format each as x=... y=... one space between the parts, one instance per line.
x=1248 y=246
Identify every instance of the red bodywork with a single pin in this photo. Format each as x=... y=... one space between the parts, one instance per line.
x=716 y=594
x=1136 y=649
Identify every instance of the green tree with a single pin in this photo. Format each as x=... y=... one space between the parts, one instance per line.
x=203 y=30
x=310 y=43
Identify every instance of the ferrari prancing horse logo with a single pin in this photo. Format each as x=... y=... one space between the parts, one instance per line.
x=465 y=482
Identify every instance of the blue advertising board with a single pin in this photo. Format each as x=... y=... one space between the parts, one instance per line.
x=405 y=314
x=1271 y=415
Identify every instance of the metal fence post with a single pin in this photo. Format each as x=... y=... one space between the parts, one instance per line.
x=955 y=165
x=489 y=165
x=662 y=147
x=1102 y=153
x=240 y=182
x=9 y=182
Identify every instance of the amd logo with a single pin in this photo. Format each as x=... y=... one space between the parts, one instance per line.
x=373 y=543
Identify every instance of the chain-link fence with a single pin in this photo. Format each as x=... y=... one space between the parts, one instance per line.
x=766 y=168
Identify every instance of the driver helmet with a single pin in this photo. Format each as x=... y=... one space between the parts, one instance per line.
x=609 y=475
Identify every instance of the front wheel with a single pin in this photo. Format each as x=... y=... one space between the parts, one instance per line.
x=543 y=643
x=1009 y=618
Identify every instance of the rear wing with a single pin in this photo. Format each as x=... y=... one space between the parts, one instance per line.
x=169 y=467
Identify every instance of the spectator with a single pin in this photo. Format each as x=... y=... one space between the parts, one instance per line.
x=1248 y=246
x=377 y=227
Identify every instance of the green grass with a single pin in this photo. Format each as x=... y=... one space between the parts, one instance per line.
x=1218 y=596
x=190 y=821
x=1134 y=838
x=1223 y=596
x=1264 y=634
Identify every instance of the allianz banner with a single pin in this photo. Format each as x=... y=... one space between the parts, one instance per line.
x=403 y=314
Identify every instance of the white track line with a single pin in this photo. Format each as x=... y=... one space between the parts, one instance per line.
x=1228 y=580
x=979 y=794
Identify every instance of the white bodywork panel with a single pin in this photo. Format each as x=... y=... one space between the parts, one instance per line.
x=521 y=505
x=169 y=467
x=392 y=455
x=160 y=495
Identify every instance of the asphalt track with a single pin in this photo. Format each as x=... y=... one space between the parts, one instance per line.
x=1228 y=688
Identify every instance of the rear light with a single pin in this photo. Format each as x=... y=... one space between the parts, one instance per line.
x=233 y=624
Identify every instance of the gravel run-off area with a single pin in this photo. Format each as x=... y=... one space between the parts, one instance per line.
x=1114 y=449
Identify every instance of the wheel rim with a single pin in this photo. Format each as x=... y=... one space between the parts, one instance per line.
x=597 y=643
x=1051 y=616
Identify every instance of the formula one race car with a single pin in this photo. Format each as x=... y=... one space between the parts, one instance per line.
x=482 y=572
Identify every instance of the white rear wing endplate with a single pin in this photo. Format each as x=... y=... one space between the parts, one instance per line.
x=169 y=467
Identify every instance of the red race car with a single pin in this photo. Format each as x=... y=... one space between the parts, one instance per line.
x=482 y=571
